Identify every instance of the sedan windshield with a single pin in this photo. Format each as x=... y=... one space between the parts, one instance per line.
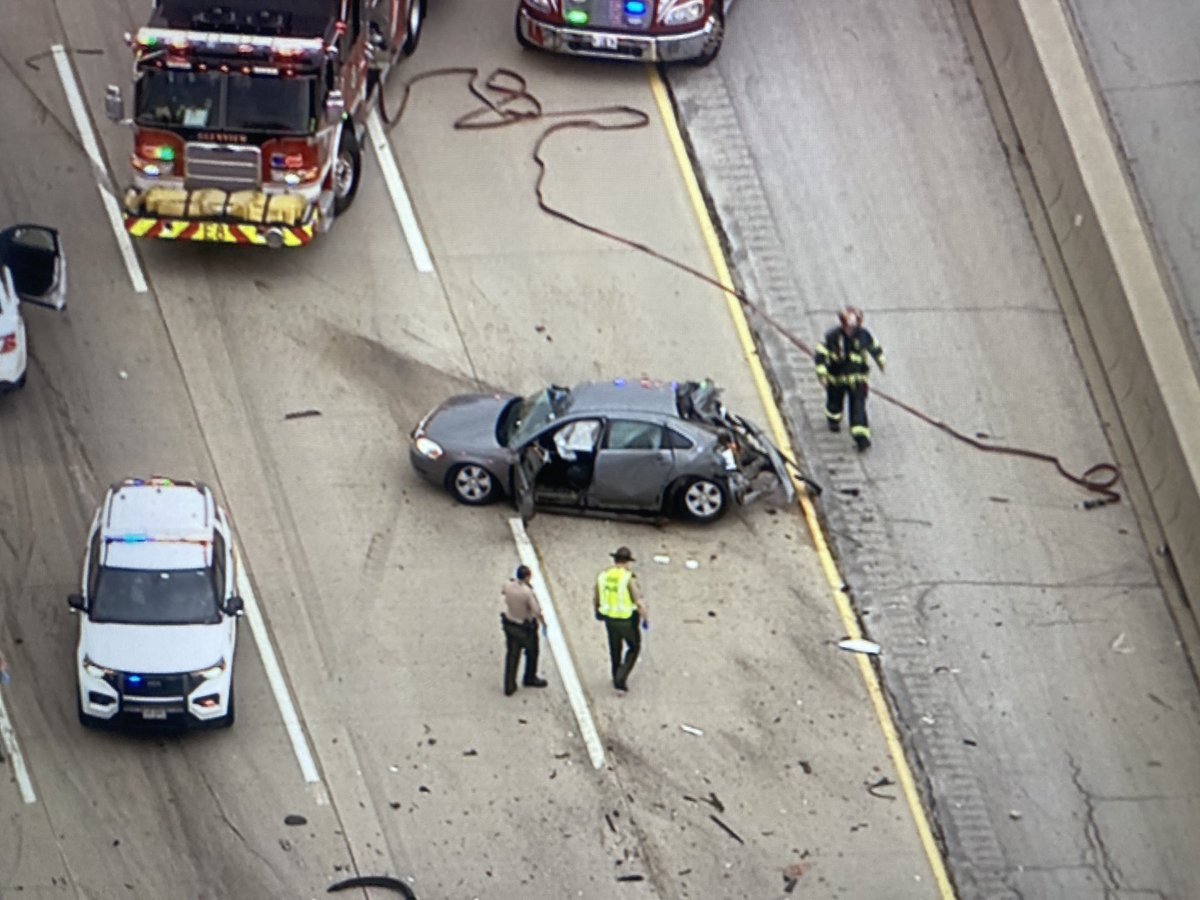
x=169 y=597
x=226 y=102
x=524 y=418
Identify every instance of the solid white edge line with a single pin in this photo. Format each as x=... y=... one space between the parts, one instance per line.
x=395 y=186
x=9 y=736
x=283 y=697
x=88 y=136
x=558 y=645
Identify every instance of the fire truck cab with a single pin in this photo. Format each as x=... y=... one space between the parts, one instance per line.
x=642 y=30
x=248 y=115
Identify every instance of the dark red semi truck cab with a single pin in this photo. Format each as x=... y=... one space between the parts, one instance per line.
x=248 y=115
x=645 y=30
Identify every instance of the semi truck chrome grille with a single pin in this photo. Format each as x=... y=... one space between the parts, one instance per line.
x=222 y=166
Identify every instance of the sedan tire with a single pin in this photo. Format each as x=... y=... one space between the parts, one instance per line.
x=472 y=484
x=702 y=500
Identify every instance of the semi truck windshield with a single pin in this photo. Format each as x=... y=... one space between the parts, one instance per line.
x=227 y=102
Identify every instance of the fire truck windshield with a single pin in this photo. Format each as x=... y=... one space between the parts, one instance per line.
x=226 y=102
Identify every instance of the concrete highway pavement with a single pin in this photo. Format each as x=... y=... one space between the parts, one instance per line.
x=851 y=157
x=1146 y=63
x=381 y=594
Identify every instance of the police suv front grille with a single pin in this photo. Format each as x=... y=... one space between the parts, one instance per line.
x=134 y=686
x=225 y=166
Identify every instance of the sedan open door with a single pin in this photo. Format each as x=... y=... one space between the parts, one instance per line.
x=530 y=461
x=35 y=263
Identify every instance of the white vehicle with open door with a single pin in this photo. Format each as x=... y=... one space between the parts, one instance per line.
x=32 y=270
x=158 y=608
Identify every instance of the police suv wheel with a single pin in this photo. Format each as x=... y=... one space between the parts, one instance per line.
x=702 y=500
x=347 y=167
x=472 y=484
x=412 y=30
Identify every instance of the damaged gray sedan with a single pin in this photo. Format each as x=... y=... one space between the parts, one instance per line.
x=642 y=448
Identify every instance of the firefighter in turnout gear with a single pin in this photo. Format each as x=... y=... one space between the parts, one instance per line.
x=842 y=369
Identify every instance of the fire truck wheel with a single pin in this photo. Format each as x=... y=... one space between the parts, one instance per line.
x=713 y=45
x=412 y=30
x=346 y=170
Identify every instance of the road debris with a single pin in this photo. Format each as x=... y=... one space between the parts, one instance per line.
x=631 y=878
x=874 y=786
x=970 y=743
x=124 y=375
x=1014 y=814
x=293 y=819
x=691 y=564
x=729 y=831
x=715 y=802
x=301 y=414
x=662 y=559
x=791 y=876
x=691 y=730
x=1118 y=644
x=858 y=645
x=471 y=752
x=806 y=766
x=379 y=881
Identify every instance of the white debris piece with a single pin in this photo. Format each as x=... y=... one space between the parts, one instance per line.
x=690 y=730
x=662 y=560
x=123 y=374
x=1118 y=644
x=692 y=564
x=857 y=645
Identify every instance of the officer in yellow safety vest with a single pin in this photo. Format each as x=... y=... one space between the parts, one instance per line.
x=622 y=610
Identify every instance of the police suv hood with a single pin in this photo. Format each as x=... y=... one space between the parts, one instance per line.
x=157 y=649
x=466 y=422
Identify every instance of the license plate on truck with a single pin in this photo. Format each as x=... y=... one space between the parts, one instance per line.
x=605 y=41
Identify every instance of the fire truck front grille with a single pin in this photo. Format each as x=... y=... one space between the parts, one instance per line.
x=222 y=166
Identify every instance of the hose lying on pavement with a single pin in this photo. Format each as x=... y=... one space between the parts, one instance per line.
x=505 y=100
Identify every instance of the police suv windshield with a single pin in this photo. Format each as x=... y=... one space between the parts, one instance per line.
x=226 y=102
x=156 y=597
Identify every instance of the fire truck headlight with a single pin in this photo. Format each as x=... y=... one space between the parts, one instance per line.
x=154 y=169
x=681 y=13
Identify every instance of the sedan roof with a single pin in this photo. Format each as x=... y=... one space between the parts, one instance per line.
x=621 y=395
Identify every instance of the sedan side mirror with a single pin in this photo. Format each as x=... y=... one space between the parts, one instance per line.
x=114 y=103
x=234 y=606
x=77 y=603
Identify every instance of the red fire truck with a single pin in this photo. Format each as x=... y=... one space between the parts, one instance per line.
x=645 y=30
x=248 y=115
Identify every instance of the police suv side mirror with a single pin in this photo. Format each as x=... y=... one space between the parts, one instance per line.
x=234 y=606
x=335 y=105
x=114 y=103
x=77 y=603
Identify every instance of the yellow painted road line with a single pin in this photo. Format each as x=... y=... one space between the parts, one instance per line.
x=779 y=430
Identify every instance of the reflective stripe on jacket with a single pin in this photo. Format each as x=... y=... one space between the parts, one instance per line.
x=843 y=357
x=616 y=601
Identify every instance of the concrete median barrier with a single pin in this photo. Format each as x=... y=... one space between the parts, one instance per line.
x=1108 y=257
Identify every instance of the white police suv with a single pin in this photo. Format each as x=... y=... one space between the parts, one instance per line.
x=158 y=611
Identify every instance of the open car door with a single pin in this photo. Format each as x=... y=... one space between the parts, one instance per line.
x=530 y=461
x=33 y=256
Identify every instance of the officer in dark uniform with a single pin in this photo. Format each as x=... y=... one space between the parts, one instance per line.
x=842 y=369
x=519 y=622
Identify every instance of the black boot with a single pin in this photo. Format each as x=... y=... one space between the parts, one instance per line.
x=861 y=442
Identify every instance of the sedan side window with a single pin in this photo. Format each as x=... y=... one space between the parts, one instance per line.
x=576 y=437
x=677 y=441
x=629 y=435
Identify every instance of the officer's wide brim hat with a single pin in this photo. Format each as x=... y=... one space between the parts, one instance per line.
x=623 y=554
